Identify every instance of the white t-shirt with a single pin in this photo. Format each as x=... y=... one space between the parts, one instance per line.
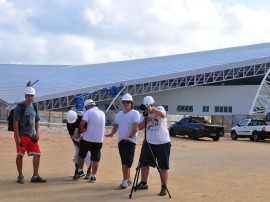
x=125 y=124
x=95 y=119
x=156 y=131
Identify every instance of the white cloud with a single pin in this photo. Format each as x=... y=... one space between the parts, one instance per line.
x=95 y=17
x=93 y=31
x=82 y=50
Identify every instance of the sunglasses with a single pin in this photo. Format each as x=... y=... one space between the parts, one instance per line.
x=29 y=95
x=126 y=102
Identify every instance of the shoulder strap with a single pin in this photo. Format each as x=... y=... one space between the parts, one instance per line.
x=35 y=107
x=22 y=106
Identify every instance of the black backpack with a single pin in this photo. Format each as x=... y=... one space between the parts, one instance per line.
x=11 y=114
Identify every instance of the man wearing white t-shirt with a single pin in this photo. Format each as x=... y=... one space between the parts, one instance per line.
x=92 y=138
x=127 y=123
x=158 y=138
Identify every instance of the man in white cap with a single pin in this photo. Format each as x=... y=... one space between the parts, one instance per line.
x=158 y=138
x=73 y=123
x=26 y=135
x=92 y=138
x=127 y=122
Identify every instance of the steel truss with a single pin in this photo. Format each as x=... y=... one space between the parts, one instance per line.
x=262 y=98
x=3 y=104
x=162 y=85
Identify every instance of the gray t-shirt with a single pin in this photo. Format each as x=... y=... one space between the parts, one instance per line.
x=27 y=120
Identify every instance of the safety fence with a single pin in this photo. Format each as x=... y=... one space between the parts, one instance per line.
x=45 y=116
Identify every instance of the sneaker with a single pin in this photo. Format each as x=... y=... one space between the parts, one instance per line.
x=87 y=176
x=93 y=179
x=20 y=179
x=79 y=175
x=129 y=182
x=140 y=186
x=124 y=184
x=163 y=191
x=74 y=176
x=38 y=179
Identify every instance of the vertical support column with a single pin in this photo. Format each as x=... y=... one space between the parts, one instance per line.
x=262 y=98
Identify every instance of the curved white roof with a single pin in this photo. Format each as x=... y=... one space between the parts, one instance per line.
x=63 y=80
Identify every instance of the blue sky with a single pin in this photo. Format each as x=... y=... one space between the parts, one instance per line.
x=92 y=31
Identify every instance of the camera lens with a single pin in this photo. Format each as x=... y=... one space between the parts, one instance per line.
x=143 y=107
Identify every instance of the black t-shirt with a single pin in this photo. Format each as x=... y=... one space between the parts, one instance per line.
x=72 y=126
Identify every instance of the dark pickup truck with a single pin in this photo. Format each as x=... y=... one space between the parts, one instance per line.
x=195 y=128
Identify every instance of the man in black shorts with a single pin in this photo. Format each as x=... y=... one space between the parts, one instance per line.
x=92 y=138
x=126 y=123
x=158 y=138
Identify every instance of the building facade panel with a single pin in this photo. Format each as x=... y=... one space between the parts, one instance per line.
x=204 y=100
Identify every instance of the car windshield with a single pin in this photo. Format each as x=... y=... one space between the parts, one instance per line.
x=244 y=123
x=198 y=120
x=257 y=122
x=267 y=117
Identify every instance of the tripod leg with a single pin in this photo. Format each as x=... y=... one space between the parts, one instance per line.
x=135 y=181
x=163 y=182
x=137 y=174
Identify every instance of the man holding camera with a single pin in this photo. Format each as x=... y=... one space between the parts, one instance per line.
x=158 y=138
x=127 y=122
x=26 y=135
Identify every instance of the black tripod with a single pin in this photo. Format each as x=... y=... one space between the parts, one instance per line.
x=138 y=168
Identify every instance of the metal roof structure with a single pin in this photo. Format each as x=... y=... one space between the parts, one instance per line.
x=58 y=85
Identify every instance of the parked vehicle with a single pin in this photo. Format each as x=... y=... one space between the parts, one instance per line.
x=267 y=118
x=195 y=128
x=254 y=129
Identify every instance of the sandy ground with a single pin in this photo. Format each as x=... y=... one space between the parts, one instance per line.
x=200 y=171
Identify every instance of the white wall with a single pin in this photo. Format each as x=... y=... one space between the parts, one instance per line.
x=239 y=97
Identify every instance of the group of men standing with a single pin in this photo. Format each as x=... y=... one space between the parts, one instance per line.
x=87 y=133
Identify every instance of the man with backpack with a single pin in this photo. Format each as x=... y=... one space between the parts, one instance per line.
x=26 y=135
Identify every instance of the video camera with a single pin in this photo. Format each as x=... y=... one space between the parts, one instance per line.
x=144 y=107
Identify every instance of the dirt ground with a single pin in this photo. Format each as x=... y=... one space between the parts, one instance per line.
x=200 y=171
